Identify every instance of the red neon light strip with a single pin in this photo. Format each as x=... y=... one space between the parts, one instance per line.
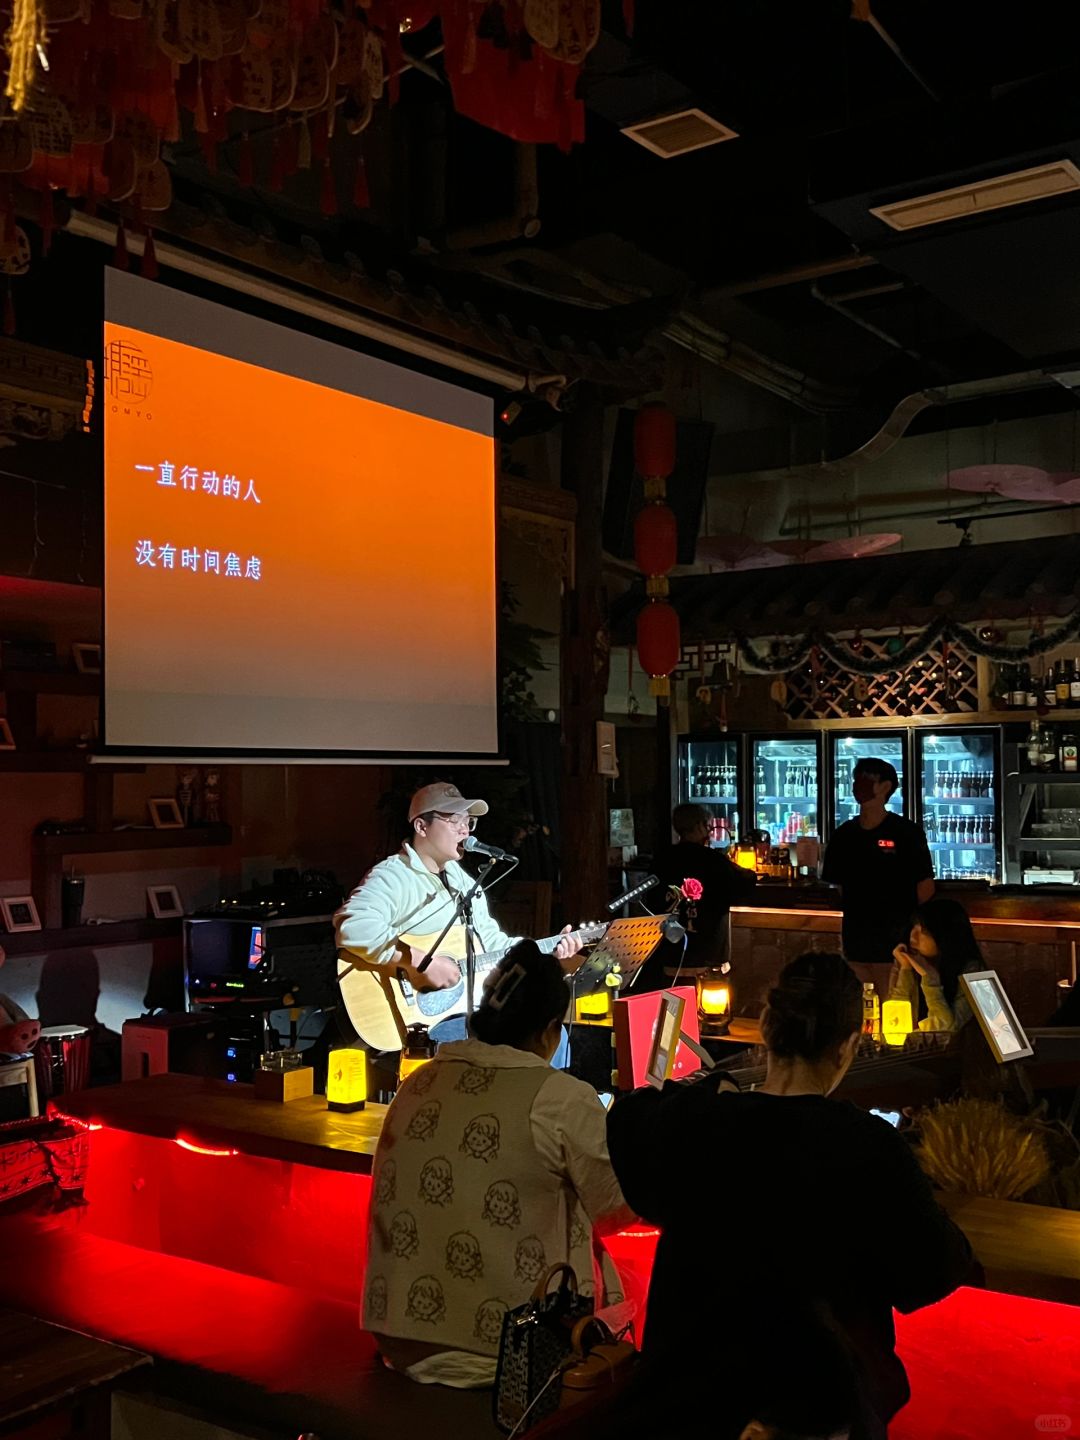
x=74 y=1121
x=201 y=1149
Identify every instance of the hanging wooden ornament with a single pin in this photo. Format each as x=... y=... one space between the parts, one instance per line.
x=352 y=38
x=92 y=123
x=121 y=171
x=15 y=258
x=169 y=39
x=50 y=127
x=312 y=82
x=142 y=135
x=233 y=19
x=155 y=190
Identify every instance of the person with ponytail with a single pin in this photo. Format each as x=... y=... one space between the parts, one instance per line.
x=786 y=1216
x=940 y=948
x=491 y=1167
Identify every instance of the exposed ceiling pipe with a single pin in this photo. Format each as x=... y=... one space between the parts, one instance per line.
x=836 y=303
x=523 y=223
x=796 y=275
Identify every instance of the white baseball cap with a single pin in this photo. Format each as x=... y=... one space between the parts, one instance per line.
x=445 y=798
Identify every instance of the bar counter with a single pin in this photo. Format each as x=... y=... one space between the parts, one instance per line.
x=1027 y=934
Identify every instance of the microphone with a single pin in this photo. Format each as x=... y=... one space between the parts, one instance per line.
x=624 y=899
x=491 y=851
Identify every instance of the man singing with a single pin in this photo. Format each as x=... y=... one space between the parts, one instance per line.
x=415 y=892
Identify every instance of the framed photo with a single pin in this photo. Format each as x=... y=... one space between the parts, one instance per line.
x=665 y=1040
x=20 y=913
x=164 y=902
x=165 y=814
x=87 y=658
x=7 y=740
x=996 y=1016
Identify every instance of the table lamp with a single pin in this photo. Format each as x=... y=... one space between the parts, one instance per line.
x=714 y=1001
x=418 y=1050
x=346 y=1079
x=896 y=1022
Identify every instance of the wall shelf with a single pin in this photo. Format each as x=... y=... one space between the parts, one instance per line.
x=96 y=843
x=117 y=932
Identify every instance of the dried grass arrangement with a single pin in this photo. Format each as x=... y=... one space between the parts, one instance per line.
x=977 y=1147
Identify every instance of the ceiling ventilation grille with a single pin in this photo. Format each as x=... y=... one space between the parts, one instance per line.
x=1019 y=188
x=678 y=134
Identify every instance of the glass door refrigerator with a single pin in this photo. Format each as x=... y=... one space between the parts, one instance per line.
x=710 y=774
x=845 y=752
x=958 y=771
x=784 y=774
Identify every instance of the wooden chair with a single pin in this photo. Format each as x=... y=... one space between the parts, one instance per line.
x=21 y=1072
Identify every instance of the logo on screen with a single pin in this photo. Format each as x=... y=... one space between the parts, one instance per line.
x=128 y=372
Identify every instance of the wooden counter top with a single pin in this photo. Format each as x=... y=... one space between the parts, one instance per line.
x=215 y=1113
x=1031 y=1250
x=1054 y=911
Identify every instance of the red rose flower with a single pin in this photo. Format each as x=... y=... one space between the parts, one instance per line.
x=691 y=889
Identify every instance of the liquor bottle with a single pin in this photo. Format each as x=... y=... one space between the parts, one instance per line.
x=1074 y=681
x=811 y=786
x=1033 y=690
x=1067 y=753
x=1021 y=685
x=1033 y=745
x=930 y=827
x=760 y=785
x=871 y=1009
x=1049 y=688
x=1061 y=682
x=939 y=785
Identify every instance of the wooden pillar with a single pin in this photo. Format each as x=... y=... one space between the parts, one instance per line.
x=584 y=663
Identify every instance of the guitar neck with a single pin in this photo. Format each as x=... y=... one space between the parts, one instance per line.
x=547 y=946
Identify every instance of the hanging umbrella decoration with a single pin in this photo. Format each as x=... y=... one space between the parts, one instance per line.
x=659 y=641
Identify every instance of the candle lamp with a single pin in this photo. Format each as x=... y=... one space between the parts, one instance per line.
x=714 y=1001
x=346 y=1079
x=896 y=1022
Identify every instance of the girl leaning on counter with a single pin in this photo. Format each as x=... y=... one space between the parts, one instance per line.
x=940 y=948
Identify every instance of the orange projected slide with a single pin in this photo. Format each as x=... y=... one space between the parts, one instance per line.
x=290 y=567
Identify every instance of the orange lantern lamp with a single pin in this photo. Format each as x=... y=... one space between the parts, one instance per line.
x=714 y=1001
x=656 y=538
x=654 y=442
x=659 y=644
x=346 y=1079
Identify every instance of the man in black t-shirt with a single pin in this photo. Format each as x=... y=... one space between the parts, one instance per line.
x=722 y=885
x=881 y=864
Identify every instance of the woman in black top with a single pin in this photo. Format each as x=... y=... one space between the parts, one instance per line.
x=784 y=1215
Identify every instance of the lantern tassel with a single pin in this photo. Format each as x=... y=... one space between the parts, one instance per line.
x=245 y=162
x=149 y=257
x=328 y=199
x=9 y=311
x=361 y=193
x=48 y=219
x=121 y=259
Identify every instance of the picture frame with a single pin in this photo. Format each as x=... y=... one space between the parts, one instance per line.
x=87 y=657
x=665 y=1040
x=164 y=902
x=997 y=1019
x=19 y=914
x=165 y=813
x=7 y=740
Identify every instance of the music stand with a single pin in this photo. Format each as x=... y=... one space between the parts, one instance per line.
x=626 y=943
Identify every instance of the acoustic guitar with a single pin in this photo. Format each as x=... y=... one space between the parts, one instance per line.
x=381 y=1001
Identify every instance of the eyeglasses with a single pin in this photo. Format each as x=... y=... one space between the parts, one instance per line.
x=457 y=822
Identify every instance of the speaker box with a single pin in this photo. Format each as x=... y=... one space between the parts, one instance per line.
x=685 y=489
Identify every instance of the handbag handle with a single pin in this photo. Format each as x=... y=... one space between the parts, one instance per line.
x=568 y=1281
x=589 y=1331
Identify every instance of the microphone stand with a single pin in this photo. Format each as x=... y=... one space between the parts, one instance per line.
x=463 y=903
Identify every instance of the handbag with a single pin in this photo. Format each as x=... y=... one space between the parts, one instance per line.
x=536 y=1340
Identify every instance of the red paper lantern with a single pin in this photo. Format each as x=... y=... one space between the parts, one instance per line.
x=659 y=643
x=656 y=539
x=654 y=441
